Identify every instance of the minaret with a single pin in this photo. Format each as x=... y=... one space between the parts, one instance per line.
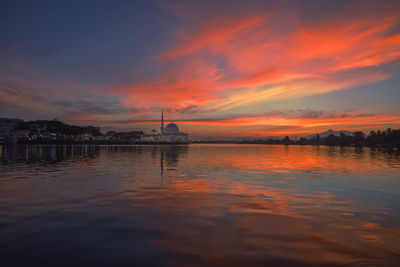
x=162 y=122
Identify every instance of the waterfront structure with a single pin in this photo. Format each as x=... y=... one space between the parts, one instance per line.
x=8 y=131
x=8 y=124
x=168 y=134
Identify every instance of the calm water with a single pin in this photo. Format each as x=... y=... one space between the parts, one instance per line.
x=199 y=205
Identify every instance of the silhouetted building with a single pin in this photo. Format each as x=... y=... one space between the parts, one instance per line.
x=7 y=124
x=168 y=134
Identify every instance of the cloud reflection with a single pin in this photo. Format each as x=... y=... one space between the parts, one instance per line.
x=225 y=204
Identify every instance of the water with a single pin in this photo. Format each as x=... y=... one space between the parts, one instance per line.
x=199 y=205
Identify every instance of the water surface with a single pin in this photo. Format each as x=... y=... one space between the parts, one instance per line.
x=199 y=205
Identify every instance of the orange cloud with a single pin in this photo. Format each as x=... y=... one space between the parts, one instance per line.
x=217 y=31
x=301 y=125
x=225 y=62
x=279 y=123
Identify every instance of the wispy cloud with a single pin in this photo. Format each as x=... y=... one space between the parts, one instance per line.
x=224 y=62
x=276 y=122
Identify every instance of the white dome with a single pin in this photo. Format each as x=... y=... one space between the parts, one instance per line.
x=171 y=128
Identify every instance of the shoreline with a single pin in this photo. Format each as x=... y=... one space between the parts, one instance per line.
x=394 y=147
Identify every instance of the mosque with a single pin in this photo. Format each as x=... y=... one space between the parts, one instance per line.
x=169 y=134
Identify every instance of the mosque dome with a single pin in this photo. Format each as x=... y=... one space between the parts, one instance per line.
x=171 y=128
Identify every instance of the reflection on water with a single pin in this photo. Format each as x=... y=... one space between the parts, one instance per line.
x=199 y=205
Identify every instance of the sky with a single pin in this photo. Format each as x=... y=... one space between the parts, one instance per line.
x=217 y=68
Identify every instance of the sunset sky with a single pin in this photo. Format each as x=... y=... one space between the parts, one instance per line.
x=218 y=68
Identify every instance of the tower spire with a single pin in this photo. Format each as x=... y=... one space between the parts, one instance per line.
x=162 y=122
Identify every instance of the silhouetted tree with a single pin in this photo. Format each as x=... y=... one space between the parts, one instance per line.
x=359 y=138
x=286 y=140
x=332 y=140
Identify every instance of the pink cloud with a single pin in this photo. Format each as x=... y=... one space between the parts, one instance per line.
x=215 y=55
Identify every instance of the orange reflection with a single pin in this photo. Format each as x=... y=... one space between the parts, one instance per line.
x=269 y=223
x=229 y=204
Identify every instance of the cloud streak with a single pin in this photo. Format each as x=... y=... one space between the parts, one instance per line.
x=275 y=122
x=224 y=62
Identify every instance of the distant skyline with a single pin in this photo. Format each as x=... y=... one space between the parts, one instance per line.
x=217 y=68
